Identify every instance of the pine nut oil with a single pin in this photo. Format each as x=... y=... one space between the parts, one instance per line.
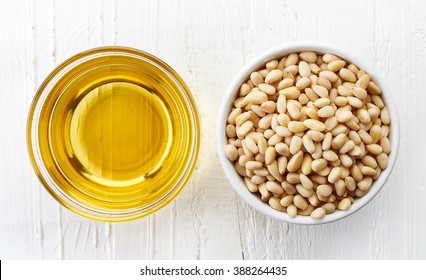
x=113 y=134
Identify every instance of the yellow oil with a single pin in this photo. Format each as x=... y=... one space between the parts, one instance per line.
x=115 y=135
x=119 y=132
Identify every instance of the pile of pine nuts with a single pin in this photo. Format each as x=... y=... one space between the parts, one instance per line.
x=309 y=134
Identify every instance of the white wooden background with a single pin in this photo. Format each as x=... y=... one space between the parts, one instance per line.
x=207 y=42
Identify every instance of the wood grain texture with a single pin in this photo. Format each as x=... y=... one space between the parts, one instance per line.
x=207 y=42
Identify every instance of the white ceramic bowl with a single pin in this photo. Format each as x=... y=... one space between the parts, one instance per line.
x=259 y=63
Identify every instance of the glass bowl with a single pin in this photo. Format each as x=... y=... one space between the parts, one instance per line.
x=113 y=134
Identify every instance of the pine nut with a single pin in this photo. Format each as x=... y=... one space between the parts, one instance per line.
x=307 y=211
x=328 y=57
x=314 y=125
x=369 y=161
x=295 y=144
x=285 y=83
x=293 y=110
x=359 y=93
x=318 y=213
x=292 y=211
x=281 y=104
x=283 y=119
x=374 y=149
x=365 y=137
x=306 y=165
x=332 y=77
x=349 y=145
x=275 y=139
x=320 y=90
x=268 y=106
x=385 y=144
x=231 y=152
x=382 y=161
x=330 y=155
x=350 y=183
x=324 y=172
x=375 y=132
x=308 y=144
x=329 y=207
x=373 y=88
x=266 y=88
x=273 y=64
x=338 y=141
x=315 y=135
x=384 y=115
x=318 y=164
x=326 y=112
x=290 y=92
x=385 y=131
x=365 y=183
x=244 y=89
x=324 y=82
x=256 y=97
x=303 y=83
x=306 y=182
x=314 y=68
x=345 y=160
x=240 y=169
x=283 y=131
x=344 y=204
x=291 y=60
x=313 y=200
x=336 y=65
x=286 y=200
x=304 y=69
x=234 y=113
x=331 y=123
x=347 y=75
x=296 y=127
x=274 y=202
x=322 y=102
x=282 y=164
x=282 y=149
x=300 y=202
x=324 y=190
x=273 y=76
x=340 y=187
x=295 y=162
x=309 y=57
x=230 y=131
x=251 y=145
x=354 y=102
x=304 y=192
x=244 y=129
x=273 y=169
x=311 y=113
x=274 y=187
x=377 y=101
x=256 y=78
x=363 y=81
x=288 y=188
x=270 y=155
x=367 y=170
x=261 y=171
x=252 y=165
x=334 y=175
x=327 y=142
x=250 y=185
x=345 y=116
